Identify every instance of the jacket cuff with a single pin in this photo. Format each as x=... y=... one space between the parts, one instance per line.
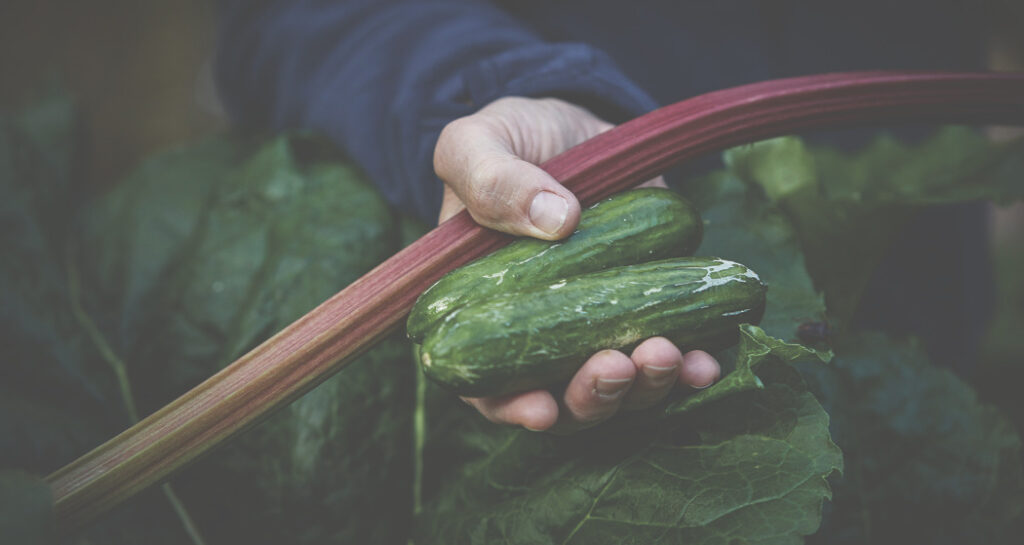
x=574 y=72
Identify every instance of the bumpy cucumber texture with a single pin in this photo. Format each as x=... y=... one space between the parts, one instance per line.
x=634 y=226
x=539 y=335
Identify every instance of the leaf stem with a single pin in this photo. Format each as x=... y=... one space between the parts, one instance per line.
x=120 y=371
x=187 y=523
x=419 y=426
x=117 y=365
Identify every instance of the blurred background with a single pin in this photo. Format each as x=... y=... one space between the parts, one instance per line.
x=138 y=69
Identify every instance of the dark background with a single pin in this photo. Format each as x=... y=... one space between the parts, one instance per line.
x=138 y=69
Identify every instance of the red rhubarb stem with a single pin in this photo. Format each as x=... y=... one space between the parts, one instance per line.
x=349 y=323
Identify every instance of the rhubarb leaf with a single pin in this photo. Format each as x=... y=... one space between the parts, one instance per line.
x=251 y=238
x=754 y=348
x=58 y=395
x=751 y=468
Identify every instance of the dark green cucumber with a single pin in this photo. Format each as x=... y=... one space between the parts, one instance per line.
x=541 y=335
x=639 y=225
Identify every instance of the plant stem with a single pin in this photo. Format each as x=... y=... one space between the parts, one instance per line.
x=120 y=371
x=106 y=351
x=187 y=523
x=419 y=426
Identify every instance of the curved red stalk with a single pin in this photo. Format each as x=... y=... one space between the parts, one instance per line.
x=331 y=335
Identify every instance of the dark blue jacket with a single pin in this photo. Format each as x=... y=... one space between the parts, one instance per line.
x=382 y=78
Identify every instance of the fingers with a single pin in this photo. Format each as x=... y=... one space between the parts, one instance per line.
x=658 y=362
x=535 y=410
x=607 y=383
x=699 y=369
x=596 y=392
x=594 y=395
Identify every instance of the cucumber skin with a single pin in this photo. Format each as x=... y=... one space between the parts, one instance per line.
x=540 y=336
x=633 y=226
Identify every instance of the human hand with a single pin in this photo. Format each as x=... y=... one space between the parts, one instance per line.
x=488 y=164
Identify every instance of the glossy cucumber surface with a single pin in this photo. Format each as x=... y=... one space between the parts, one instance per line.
x=631 y=227
x=540 y=336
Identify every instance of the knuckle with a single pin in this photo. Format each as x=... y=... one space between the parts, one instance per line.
x=449 y=149
x=456 y=127
x=486 y=193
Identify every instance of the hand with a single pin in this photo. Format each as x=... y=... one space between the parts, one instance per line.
x=488 y=164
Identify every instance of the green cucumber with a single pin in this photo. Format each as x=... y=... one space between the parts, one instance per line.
x=541 y=335
x=639 y=225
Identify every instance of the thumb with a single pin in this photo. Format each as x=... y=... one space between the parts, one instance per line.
x=504 y=192
x=517 y=197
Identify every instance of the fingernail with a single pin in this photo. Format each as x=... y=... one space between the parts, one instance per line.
x=548 y=212
x=702 y=387
x=656 y=373
x=611 y=388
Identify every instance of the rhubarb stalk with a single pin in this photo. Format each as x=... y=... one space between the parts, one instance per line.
x=349 y=323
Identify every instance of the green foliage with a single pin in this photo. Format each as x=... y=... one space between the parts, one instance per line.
x=230 y=242
x=742 y=227
x=927 y=462
x=206 y=250
x=754 y=473
x=847 y=208
x=58 y=396
x=754 y=348
x=200 y=254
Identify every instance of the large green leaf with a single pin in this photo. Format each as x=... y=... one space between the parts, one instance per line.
x=198 y=255
x=59 y=396
x=56 y=396
x=751 y=468
x=251 y=239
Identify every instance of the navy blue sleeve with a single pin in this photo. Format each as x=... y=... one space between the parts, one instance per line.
x=381 y=78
